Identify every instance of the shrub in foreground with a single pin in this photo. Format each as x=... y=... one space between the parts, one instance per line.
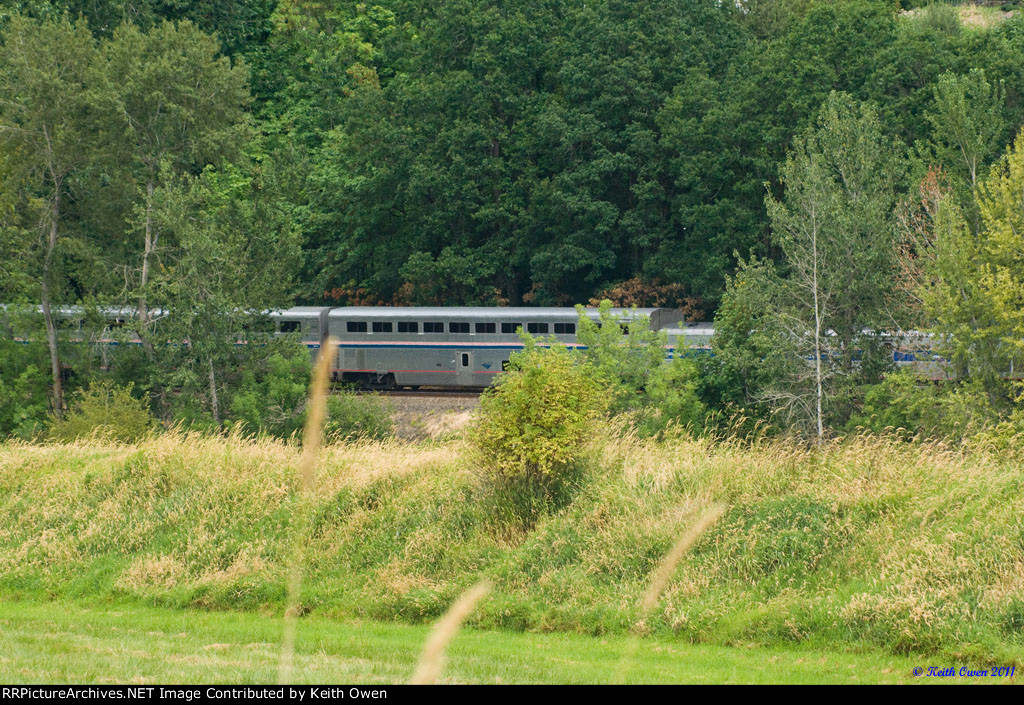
x=535 y=420
x=952 y=410
x=272 y=399
x=533 y=425
x=107 y=411
x=272 y=396
x=629 y=360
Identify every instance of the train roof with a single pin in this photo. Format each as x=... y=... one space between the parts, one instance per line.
x=125 y=312
x=299 y=312
x=492 y=312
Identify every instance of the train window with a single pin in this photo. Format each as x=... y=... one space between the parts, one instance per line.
x=536 y=327
x=565 y=328
x=356 y=326
x=458 y=327
x=432 y=327
x=465 y=359
x=408 y=327
x=382 y=326
x=625 y=328
x=504 y=365
x=510 y=327
x=485 y=328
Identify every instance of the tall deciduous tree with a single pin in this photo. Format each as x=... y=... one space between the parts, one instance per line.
x=834 y=229
x=967 y=123
x=49 y=86
x=181 y=106
x=231 y=255
x=975 y=293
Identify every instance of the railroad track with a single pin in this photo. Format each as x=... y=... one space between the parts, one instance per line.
x=435 y=393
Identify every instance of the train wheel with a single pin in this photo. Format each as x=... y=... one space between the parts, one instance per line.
x=382 y=382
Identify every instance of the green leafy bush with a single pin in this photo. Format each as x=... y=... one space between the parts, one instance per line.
x=532 y=429
x=272 y=399
x=903 y=402
x=351 y=415
x=24 y=383
x=673 y=399
x=898 y=402
x=271 y=396
x=632 y=370
x=625 y=357
x=107 y=411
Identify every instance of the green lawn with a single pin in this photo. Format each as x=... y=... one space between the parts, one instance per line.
x=74 y=642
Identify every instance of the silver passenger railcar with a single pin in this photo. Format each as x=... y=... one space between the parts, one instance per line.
x=309 y=323
x=383 y=347
x=445 y=346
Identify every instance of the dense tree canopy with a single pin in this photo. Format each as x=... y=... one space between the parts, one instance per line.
x=540 y=151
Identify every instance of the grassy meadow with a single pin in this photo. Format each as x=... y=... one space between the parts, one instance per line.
x=76 y=642
x=866 y=546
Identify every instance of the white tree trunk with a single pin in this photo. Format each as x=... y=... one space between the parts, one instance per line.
x=817 y=325
x=51 y=328
x=150 y=245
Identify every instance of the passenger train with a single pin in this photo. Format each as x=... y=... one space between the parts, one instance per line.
x=382 y=347
x=388 y=347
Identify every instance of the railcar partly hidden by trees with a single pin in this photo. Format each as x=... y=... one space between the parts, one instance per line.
x=389 y=347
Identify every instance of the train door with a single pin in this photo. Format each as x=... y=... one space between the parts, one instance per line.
x=464 y=369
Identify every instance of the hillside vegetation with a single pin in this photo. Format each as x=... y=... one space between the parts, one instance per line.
x=914 y=548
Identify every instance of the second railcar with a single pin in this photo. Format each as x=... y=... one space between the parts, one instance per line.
x=382 y=347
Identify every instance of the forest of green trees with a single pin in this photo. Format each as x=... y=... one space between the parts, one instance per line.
x=801 y=171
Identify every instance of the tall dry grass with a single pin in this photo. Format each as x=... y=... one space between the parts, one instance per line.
x=663 y=575
x=671 y=560
x=316 y=408
x=432 y=659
